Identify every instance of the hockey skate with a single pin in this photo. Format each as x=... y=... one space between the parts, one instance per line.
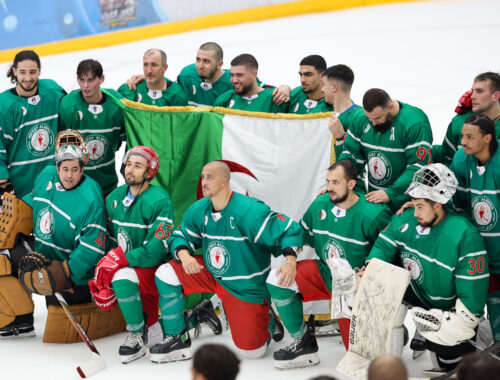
x=279 y=330
x=204 y=313
x=300 y=353
x=134 y=346
x=173 y=348
x=21 y=327
x=326 y=328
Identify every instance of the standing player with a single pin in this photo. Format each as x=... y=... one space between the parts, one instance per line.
x=341 y=225
x=337 y=82
x=447 y=262
x=29 y=124
x=141 y=218
x=237 y=235
x=477 y=167
x=204 y=80
x=308 y=97
x=69 y=227
x=156 y=90
x=246 y=94
x=99 y=119
x=394 y=144
x=485 y=98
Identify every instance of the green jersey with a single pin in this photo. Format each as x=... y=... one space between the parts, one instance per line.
x=351 y=115
x=69 y=224
x=451 y=144
x=237 y=242
x=478 y=195
x=348 y=234
x=392 y=156
x=301 y=104
x=173 y=95
x=104 y=129
x=200 y=93
x=446 y=262
x=27 y=134
x=260 y=102
x=140 y=225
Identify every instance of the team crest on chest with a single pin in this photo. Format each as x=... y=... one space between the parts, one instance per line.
x=380 y=168
x=123 y=239
x=40 y=140
x=45 y=222
x=97 y=146
x=333 y=249
x=484 y=212
x=413 y=265
x=218 y=258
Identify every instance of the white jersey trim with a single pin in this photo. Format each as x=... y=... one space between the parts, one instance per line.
x=165 y=219
x=53 y=245
x=358 y=242
x=17 y=163
x=262 y=228
x=234 y=238
x=472 y=278
x=130 y=224
x=419 y=144
x=392 y=242
x=246 y=277
x=92 y=248
x=447 y=141
x=99 y=130
x=425 y=256
x=55 y=116
x=100 y=165
x=472 y=254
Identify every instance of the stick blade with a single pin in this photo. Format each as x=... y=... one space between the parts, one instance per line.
x=91 y=367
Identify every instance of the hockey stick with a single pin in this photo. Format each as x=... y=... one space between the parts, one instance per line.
x=97 y=362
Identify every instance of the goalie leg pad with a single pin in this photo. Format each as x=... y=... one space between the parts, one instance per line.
x=16 y=218
x=14 y=300
x=5 y=265
x=398 y=332
x=95 y=322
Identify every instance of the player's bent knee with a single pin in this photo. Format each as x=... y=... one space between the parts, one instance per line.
x=126 y=274
x=273 y=279
x=166 y=274
x=252 y=354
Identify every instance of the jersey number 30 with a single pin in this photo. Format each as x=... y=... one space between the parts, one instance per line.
x=476 y=265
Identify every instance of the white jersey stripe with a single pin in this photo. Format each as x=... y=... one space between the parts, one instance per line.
x=92 y=248
x=262 y=227
x=31 y=122
x=425 y=256
x=94 y=167
x=17 y=163
x=130 y=224
x=387 y=239
x=53 y=245
x=99 y=130
x=472 y=278
x=246 y=277
x=358 y=242
x=472 y=254
x=450 y=144
x=233 y=238
x=418 y=144
x=55 y=208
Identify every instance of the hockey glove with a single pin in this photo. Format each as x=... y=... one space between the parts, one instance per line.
x=464 y=103
x=447 y=328
x=43 y=276
x=108 y=265
x=104 y=297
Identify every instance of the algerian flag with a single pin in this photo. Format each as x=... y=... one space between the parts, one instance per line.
x=287 y=154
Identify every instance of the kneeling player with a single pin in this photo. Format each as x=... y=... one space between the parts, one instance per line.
x=69 y=240
x=448 y=265
x=339 y=224
x=237 y=235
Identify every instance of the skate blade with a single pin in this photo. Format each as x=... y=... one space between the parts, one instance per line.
x=432 y=373
x=174 y=356
x=302 y=361
x=29 y=334
x=130 y=358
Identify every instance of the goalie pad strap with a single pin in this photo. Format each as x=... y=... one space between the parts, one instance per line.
x=95 y=322
x=14 y=300
x=5 y=265
x=16 y=218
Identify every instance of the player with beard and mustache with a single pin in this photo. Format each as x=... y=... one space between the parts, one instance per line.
x=448 y=265
x=308 y=97
x=246 y=94
x=394 y=143
x=339 y=224
x=26 y=150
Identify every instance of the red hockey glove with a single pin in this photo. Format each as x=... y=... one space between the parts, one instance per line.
x=108 y=265
x=105 y=297
x=464 y=103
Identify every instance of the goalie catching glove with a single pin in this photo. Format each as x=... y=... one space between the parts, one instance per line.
x=43 y=276
x=447 y=328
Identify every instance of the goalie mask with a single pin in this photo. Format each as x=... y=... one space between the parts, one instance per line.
x=72 y=137
x=68 y=152
x=149 y=154
x=434 y=182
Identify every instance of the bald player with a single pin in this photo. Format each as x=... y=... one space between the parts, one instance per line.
x=237 y=235
x=387 y=367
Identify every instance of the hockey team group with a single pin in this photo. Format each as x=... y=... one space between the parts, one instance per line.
x=390 y=195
